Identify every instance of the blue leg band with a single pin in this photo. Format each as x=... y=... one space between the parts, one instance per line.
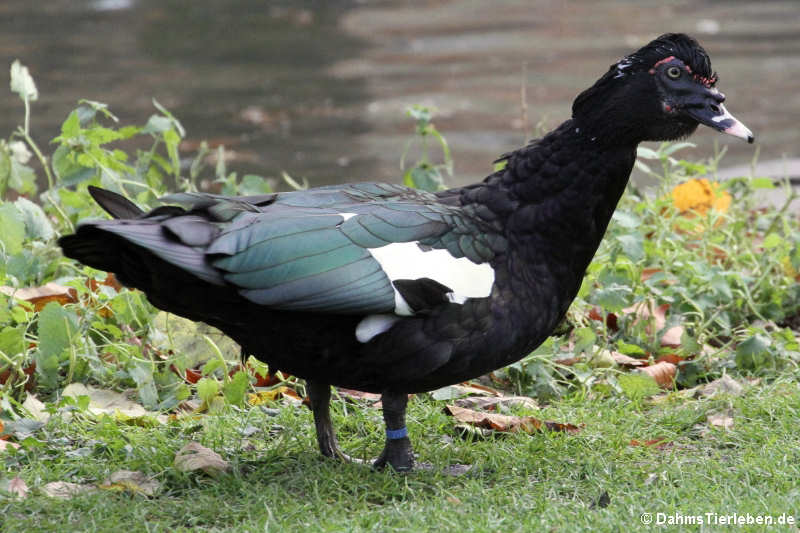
x=394 y=434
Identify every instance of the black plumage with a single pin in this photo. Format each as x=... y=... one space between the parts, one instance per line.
x=386 y=289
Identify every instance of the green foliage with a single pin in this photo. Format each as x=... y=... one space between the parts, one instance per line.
x=92 y=331
x=425 y=174
x=728 y=278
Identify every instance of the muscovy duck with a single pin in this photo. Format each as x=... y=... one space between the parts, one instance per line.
x=387 y=289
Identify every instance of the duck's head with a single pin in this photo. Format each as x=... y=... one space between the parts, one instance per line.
x=660 y=92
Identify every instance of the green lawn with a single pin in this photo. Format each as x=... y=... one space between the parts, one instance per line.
x=519 y=482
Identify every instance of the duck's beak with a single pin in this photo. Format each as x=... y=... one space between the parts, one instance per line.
x=705 y=106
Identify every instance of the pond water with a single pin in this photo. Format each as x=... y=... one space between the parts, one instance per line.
x=319 y=88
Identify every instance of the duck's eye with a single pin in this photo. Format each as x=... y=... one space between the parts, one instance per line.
x=674 y=72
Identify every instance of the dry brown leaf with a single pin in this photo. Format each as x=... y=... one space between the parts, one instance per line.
x=626 y=360
x=497 y=422
x=596 y=313
x=492 y=403
x=477 y=388
x=195 y=456
x=656 y=443
x=291 y=397
x=723 y=419
x=672 y=337
x=725 y=384
x=663 y=373
x=648 y=311
x=369 y=397
x=18 y=487
x=670 y=358
x=41 y=296
x=130 y=481
x=648 y=273
x=65 y=490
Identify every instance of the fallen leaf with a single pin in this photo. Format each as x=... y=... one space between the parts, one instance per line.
x=291 y=397
x=657 y=442
x=663 y=373
x=670 y=358
x=477 y=386
x=595 y=313
x=41 y=296
x=22 y=428
x=130 y=481
x=646 y=310
x=35 y=408
x=191 y=375
x=64 y=490
x=16 y=486
x=648 y=273
x=4 y=444
x=725 y=384
x=492 y=403
x=266 y=396
x=195 y=456
x=261 y=380
x=568 y=361
x=626 y=360
x=497 y=422
x=103 y=401
x=723 y=419
x=601 y=358
x=109 y=281
x=369 y=397
x=672 y=337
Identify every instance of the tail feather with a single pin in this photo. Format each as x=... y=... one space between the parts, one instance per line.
x=115 y=204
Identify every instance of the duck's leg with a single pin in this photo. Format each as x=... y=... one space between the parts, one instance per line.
x=397 y=452
x=320 y=396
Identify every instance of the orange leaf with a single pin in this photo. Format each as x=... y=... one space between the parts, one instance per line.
x=41 y=296
x=670 y=358
x=648 y=273
x=191 y=375
x=663 y=373
x=657 y=442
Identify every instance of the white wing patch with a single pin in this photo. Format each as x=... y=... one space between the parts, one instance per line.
x=406 y=260
x=373 y=325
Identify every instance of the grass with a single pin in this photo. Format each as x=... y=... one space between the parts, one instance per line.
x=519 y=482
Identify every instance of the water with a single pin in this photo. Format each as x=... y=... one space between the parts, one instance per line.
x=318 y=89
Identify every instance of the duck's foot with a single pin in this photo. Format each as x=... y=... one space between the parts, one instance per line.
x=320 y=396
x=398 y=454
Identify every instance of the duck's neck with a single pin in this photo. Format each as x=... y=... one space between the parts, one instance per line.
x=559 y=194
